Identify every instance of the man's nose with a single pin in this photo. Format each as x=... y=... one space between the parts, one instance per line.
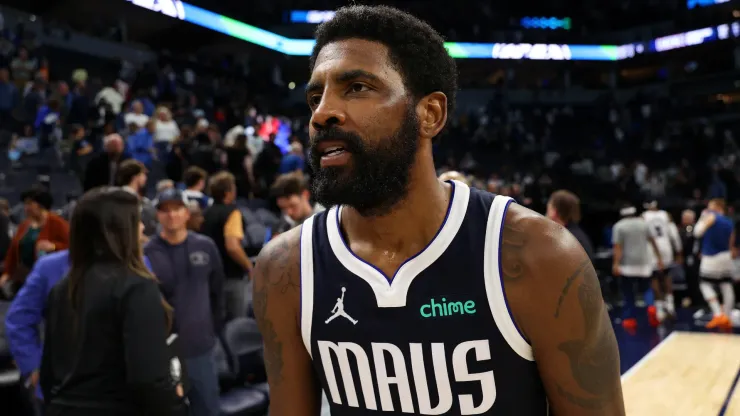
x=329 y=112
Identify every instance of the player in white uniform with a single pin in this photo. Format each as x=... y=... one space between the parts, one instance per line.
x=668 y=242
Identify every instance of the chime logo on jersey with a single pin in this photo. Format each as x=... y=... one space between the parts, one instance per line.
x=435 y=309
x=401 y=361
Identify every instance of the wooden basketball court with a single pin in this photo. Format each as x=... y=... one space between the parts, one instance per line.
x=692 y=374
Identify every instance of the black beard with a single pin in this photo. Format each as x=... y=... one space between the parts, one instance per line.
x=376 y=178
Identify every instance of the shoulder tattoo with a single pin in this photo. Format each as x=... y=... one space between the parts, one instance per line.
x=594 y=357
x=276 y=273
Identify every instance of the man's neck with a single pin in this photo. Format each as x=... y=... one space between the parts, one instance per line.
x=412 y=223
x=130 y=188
x=174 y=237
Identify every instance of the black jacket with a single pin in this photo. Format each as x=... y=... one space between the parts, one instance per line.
x=214 y=220
x=97 y=172
x=111 y=357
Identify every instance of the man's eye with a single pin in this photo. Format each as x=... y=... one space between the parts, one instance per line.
x=357 y=87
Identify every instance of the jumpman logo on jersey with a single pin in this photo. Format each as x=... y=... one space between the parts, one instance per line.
x=339 y=310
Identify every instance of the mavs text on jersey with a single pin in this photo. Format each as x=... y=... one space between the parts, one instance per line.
x=437 y=338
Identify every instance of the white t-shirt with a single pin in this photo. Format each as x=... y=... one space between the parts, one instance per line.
x=139 y=119
x=166 y=131
x=665 y=233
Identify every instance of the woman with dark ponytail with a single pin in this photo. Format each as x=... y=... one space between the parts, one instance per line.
x=107 y=325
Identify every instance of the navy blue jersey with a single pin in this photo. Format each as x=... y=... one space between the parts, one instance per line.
x=436 y=339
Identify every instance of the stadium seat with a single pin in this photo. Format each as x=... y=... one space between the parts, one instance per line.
x=267 y=218
x=256 y=233
x=249 y=216
x=243 y=342
x=236 y=400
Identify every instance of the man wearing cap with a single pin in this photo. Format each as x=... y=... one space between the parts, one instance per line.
x=190 y=272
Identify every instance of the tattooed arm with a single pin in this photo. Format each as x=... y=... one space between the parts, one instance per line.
x=293 y=389
x=556 y=301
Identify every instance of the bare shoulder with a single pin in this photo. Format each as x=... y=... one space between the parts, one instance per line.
x=556 y=301
x=535 y=248
x=276 y=298
x=276 y=277
x=540 y=260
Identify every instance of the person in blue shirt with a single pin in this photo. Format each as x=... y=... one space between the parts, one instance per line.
x=140 y=145
x=717 y=233
x=293 y=161
x=27 y=311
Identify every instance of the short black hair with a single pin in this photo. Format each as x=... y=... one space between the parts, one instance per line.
x=39 y=194
x=415 y=49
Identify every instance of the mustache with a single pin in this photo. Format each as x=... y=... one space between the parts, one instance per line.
x=352 y=141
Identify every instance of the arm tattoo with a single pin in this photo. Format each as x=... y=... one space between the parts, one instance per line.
x=278 y=268
x=594 y=360
x=512 y=249
x=568 y=282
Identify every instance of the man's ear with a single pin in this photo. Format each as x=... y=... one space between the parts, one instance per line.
x=432 y=113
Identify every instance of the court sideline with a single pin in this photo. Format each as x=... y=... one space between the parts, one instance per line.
x=688 y=373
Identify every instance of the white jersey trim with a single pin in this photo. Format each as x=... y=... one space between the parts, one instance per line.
x=392 y=294
x=307 y=282
x=494 y=283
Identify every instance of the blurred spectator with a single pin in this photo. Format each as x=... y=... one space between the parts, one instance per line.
x=8 y=99
x=40 y=233
x=112 y=97
x=103 y=168
x=188 y=267
x=454 y=175
x=194 y=180
x=165 y=131
x=23 y=68
x=6 y=231
x=224 y=224
x=132 y=177
x=267 y=164
x=32 y=101
x=294 y=200
x=564 y=208
x=136 y=116
x=140 y=144
x=240 y=163
x=164 y=185
x=294 y=160
x=116 y=356
x=195 y=222
x=80 y=152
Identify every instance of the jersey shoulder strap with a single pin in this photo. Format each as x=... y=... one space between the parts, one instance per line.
x=494 y=280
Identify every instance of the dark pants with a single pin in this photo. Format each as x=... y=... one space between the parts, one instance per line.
x=630 y=286
x=163 y=151
x=203 y=376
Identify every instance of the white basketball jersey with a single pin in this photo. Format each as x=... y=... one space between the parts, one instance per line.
x=662 y=229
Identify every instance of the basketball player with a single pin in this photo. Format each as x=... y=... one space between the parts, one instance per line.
x=461 y=303
x=668 y=242
x=632 y=260
x=718 y=235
